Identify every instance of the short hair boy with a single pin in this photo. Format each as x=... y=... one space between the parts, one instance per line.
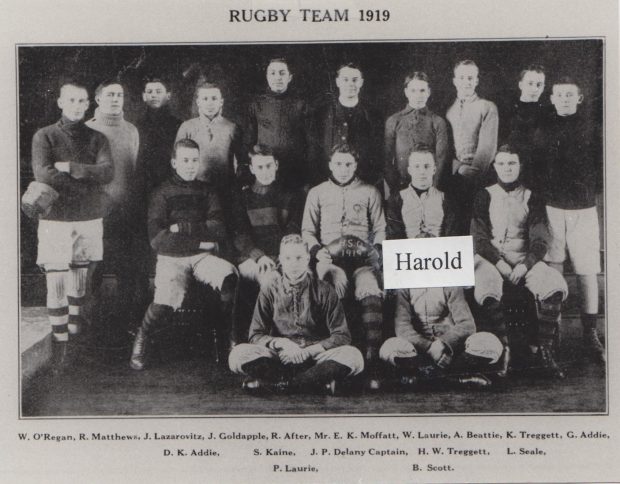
x=474 y=123
x=419 y=210
x=569 y=157
x=410 y=129
x=299 y=339
x=158 y=128
x=278 y=119
x=74 y=160
x=186 y=228
x=344 y=226
x=435 y=331
x=265 y=212
x=219 y=140
x=348 y=120
x=511 y=237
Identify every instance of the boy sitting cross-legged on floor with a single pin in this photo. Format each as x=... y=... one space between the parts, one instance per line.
x=299 y=339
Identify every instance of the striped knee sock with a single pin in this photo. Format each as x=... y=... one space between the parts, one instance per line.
x=76 y=291
x=57 y=308
x=372 y=319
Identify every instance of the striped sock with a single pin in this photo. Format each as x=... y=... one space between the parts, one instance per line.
x=76 y=291
x=372 y=319
x=57 y=308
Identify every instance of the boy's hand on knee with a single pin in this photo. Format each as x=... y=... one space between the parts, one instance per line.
x=517 y=273
x=293 y=354
x=504 y=268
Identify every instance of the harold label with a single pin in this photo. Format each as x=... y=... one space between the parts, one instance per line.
x=432 y=262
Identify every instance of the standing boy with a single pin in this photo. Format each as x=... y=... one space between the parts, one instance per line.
x=299 y=340
x=124 y=228
x=75 y=161
x=570 y=159
x=349 y=121
x=344 y=226
x=186 y=228
x=158 y=128
x=219 y=140
x=511 y=237
x=278 y=121
x=474 y=124
x=410 y=129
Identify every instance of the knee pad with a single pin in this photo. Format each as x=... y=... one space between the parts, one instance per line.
x=548 y=310
x=77 y=281
x=366 y=284
x=336 y=276
x=484 y=345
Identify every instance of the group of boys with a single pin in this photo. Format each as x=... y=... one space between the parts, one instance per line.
x=294 y=207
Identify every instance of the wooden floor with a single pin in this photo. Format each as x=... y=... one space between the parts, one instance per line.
x=101 y=384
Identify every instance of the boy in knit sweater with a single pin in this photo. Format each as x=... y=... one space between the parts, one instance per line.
x=75 y=161
x=219 y=140
x=511 y=237
x=344 y=226
x=186 y=228
x=124 y=231
x=265 y=212
x=474 y=124
x=299 y=340
x=569 y=157
x=278 y=120
x=410 y=129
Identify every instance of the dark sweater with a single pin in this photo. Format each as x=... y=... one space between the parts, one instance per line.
x=158 y=128
x=263 y=215
x=279 y=121
x=568 y=157
x=195 y=205
x=81 y=195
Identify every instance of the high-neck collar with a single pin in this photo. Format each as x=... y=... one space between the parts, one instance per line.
x=157 y=112
x=411 y=109
x=419 y=192
x=177 y=180
x=108 y=119
x=467 y=100
x=336 y=182
x=261 y=189
x=297 y=285
x=347 y=106
x=277 y=95
x=509 y=187
x=68 y=125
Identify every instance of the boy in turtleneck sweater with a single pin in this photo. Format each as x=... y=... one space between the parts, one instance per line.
x=186 y=229
x=342 y=215
x=523 y=118
x=299 y=340
x=511 y=237
x=124 y=228
x=277 y=120
x=570 y=160
x=158 y=128
x=74 y=160
x=410 y=129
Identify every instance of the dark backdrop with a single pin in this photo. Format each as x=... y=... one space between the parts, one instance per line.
x=42 y=69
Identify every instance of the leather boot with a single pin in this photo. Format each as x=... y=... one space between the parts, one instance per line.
x=548 y=363
x=60 y=357
x=593 y=346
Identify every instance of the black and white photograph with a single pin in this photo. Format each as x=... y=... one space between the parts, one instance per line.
x=201 y=227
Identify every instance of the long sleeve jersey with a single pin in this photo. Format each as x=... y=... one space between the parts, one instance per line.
x=81 y=195
x=423 y=315
x=307 y=313
x=510 y=223
x=406 y=131
x=334 y=210
x=193 y=203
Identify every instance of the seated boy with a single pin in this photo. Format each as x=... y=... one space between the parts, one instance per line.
x=185 y=228
x=265 y=212
x=435 y=325
x=343 y=219
x=511 y=237
x=299 y=340
x=419 y=210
